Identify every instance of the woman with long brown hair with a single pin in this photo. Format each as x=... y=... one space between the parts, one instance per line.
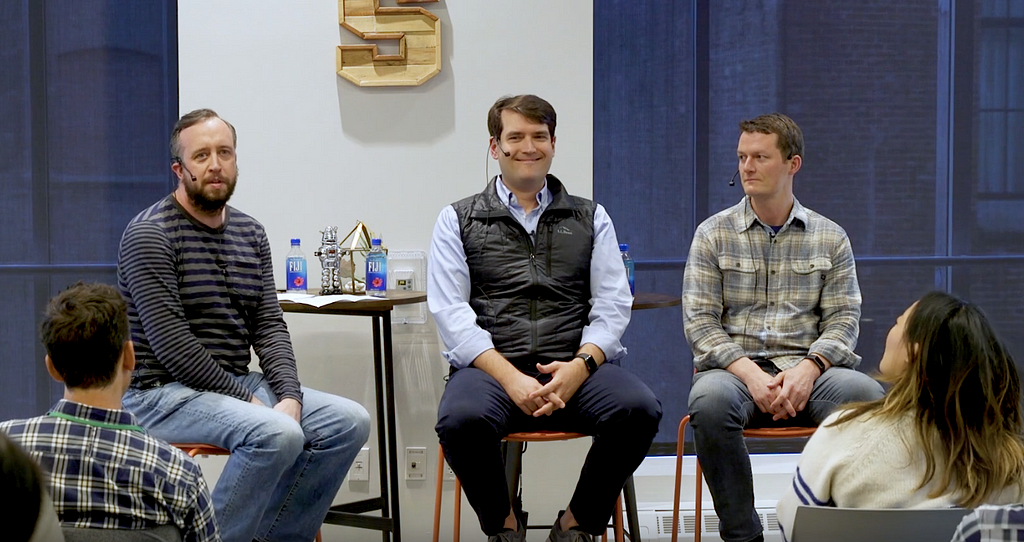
x=947 y=434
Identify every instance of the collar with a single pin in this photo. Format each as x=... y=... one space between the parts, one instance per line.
x=745 y=218
x=95 y=416
x=509 y=199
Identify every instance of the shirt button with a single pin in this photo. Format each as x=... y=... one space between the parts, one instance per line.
x=771 y=303
x=773 y=271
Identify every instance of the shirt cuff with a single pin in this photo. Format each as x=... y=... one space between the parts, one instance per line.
x=836 y=353
x=462 y=355
x=607 y=342
x=719 y=357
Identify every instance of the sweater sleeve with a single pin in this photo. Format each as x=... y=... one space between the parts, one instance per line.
x=819 y=465
x=271 y=340
x=146 y=263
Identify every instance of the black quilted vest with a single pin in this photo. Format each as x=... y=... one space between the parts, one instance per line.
x=533 y=297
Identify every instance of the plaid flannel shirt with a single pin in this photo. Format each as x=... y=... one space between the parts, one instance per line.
x=105 y=472
x=992 y=524
x=748 y=291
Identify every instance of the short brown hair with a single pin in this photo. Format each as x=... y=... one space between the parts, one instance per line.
x=190 y=119
x=84 y=330
x=791 y=139
x=532 y=107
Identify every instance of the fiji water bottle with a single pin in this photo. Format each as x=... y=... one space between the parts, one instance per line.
x=296 y=262
x=376 y=270
x=630 y=267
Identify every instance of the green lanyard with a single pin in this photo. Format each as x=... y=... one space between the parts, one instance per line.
x=95 y=423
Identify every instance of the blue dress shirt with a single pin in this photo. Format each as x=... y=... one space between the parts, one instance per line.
x=448 y=283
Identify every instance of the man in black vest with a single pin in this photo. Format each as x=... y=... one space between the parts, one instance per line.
x=530 y=297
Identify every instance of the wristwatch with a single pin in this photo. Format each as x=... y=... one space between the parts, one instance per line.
x=589 y=360
x=817 y=361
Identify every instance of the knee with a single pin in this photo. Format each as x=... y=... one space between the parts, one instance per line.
x=643 y=411
x=281 y=437
x=714 y=402
x=856 y=386
x=354 y=422
x=344 y=424
x=463 y=416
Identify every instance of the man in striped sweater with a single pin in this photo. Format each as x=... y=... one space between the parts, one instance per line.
x=198 y=278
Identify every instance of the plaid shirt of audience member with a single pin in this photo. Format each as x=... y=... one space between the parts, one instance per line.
x=992 y=524
x=105 y=472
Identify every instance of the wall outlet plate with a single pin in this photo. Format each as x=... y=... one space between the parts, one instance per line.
x=360 y=470
x=415 y=463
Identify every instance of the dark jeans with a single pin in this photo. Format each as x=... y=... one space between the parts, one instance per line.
x=721 y=408
x=612 y=405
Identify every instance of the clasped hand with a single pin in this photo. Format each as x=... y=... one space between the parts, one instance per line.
x=786 y=394
x=538 y=399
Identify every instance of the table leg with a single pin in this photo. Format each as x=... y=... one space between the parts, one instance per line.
x=386 y=460
x=389 y=382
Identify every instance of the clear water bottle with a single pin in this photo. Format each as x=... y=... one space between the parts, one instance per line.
x=296 y=262
x=630 y=267
x=376 y=270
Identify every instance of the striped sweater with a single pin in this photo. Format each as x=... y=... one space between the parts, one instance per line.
x=199 y=298
x=869 y=462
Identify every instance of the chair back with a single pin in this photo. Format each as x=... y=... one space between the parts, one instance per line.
x=163 y=533
x=816 y=523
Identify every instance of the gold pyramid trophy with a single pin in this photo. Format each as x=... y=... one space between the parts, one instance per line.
x=352 y=250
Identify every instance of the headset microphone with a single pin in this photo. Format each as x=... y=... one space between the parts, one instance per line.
x=498 y=145
x=182 y=164
x=732 y=182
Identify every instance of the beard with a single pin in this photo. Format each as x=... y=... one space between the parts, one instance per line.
x=210 y=199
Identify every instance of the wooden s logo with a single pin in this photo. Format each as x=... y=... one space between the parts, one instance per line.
x=419 y=43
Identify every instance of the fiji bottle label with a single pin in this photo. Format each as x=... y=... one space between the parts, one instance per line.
x=297 y=274
x=376 y=275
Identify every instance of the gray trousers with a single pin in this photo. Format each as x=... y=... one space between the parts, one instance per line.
x=720 y=409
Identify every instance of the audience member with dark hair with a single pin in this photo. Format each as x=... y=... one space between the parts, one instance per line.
x=104 y=471
x=948 y=433
x=28 y=512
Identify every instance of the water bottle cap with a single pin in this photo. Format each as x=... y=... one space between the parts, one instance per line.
x=624 y=247
x=375 y=242
x=295 y=241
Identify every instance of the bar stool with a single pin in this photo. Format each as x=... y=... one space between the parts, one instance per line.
x=193 y=449
x=769 y=432
x=513 y=470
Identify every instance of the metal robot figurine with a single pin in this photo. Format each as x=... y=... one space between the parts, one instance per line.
x=330 y=258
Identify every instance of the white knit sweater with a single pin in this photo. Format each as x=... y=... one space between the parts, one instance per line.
x=868 y=463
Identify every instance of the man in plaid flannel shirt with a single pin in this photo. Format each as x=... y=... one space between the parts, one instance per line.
x=104 y=471
x=770 y=303
x=992 y=524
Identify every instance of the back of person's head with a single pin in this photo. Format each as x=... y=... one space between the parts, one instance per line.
x=963 y=388
x=962 y=374
x=534 y=108
x=791 y=139
x=22 y=484
x=85 y=329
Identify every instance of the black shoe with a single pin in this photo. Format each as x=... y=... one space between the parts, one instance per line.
x=571 y=535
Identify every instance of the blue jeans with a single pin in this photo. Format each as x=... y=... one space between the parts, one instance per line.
x=721 y=408
x=281 y=477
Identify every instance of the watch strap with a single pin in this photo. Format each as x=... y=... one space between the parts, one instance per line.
x=588 y=360
x=816 y=359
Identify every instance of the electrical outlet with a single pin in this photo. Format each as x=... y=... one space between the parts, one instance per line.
x=360 y=471
x=449 y=474
x=415 y=463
